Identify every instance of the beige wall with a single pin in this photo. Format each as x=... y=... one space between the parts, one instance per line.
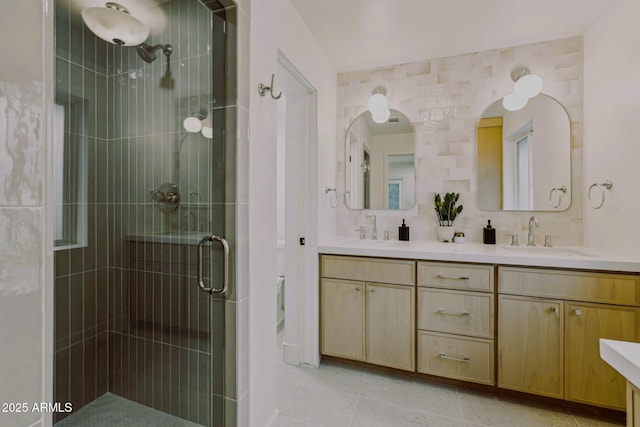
x=443 y=99
x=612 y=103
x=25 y=261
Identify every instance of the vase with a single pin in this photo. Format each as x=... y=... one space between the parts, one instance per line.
x=445 y=233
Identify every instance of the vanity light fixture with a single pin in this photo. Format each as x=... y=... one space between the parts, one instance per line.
x=513 y=102
x=198 y=122
x=207 y=128
x=526 y=86
x=378 y=105
x=193 y=123
x=114 y=24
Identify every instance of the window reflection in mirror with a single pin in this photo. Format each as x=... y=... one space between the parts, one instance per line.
x=524 y=157
x=70 y=174
x=380 y=163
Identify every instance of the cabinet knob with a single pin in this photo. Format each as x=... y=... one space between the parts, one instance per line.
x=357 y=289
x=577 y=312
x=554 y=309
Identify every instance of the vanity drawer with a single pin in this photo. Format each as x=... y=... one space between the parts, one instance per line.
x=455 y=276
x=379 y=270
x=570 y=285
x=456 y=312
x=463 y=358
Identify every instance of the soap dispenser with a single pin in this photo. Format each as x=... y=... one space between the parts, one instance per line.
x=489 y=234
x=403 y=232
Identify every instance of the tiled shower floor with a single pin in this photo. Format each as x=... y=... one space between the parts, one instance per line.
x=110 y=410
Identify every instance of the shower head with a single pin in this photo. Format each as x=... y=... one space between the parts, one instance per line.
x=148 y=52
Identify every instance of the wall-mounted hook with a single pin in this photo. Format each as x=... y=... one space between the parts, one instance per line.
x=262 y=89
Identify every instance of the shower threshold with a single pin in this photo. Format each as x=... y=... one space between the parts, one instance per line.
x=110 y=410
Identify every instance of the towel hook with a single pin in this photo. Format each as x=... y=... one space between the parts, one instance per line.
x=262 y=89
x=602 y=186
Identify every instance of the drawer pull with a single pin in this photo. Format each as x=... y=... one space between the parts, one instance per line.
x=444 y=276
x=455 y=358
x=450 y=313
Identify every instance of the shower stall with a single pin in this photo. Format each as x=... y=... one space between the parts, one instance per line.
x=145 y=216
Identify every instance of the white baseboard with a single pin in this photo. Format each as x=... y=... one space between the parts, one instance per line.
x=291 y=353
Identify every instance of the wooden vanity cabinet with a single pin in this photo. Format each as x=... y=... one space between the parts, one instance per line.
x=368 y=310
x=456 y=321
x=544 y=314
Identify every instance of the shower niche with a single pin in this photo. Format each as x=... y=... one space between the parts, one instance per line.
x=130 y=319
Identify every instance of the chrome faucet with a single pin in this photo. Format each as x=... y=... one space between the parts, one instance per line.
x=530 y=238
x=188 y=214
x=374 y=228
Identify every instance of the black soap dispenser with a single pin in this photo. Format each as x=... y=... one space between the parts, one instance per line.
x=403 y=232
x=489 y=235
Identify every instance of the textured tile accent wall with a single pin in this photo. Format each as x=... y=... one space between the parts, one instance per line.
x=443 y=99
x=23 y=261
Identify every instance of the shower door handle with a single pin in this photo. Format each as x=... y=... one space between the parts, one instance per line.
x=225 y=268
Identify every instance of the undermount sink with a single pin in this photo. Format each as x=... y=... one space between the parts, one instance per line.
x=545 y=250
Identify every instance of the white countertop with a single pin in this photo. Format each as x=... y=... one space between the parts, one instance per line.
x=538 y=256
x=624 y=357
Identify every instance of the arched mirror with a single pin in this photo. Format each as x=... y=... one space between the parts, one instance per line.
x=524 y=157
x=380 y=163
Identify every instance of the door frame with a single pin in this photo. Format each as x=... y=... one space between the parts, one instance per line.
x=301 y=299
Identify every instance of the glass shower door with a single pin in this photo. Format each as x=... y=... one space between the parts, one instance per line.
x=157 y=124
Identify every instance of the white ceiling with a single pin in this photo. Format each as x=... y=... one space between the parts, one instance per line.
x=360 y=34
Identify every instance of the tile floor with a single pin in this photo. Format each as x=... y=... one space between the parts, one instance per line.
x=336 y=395
x=110 y=410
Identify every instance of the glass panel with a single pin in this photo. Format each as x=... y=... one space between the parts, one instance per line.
x=133 y=330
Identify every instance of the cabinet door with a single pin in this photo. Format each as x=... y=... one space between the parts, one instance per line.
x=342 y=319
x=530 y=345
x=588 y=378
x=390 y=325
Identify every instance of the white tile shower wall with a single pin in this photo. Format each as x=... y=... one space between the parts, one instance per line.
x=23 y=260
x=443 y=99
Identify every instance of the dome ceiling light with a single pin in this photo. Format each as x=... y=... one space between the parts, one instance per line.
x=114 y=24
